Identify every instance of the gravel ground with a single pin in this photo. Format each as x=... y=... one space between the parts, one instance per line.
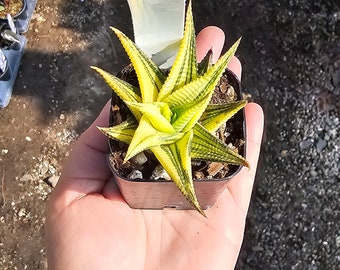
x=291 y=56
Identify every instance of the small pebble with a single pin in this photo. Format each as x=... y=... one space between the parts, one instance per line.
x=320 y=145
x=135 y=174
x=52 y=180
x=140 y=158
x=305 y=144
x=160 y=173
x=25 y=178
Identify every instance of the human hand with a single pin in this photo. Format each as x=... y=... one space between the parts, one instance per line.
x=90 y=226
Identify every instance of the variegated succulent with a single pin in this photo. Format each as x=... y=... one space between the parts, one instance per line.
x=172 y=114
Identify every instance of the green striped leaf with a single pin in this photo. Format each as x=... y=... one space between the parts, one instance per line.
x=205 y=64
x=187 y=116
x=216 y=115
x=175 y=159
x=123 y=132
x=150 y=77
x=206 y=146
x=153 y=112
x=184 y=69
x=146 y=137
x=204 y=85
x=124 y=90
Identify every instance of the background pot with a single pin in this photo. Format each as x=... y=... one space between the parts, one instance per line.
x=13 y=44
x=159 y=194
x=20 y=13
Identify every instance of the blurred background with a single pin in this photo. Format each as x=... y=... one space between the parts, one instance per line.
x=290 y=52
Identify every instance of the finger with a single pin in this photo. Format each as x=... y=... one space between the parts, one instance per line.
x=210 y=37
x=235 y=66
x=241 y=186
x=213 y=38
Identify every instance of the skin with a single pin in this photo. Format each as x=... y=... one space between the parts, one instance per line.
x=90 y=226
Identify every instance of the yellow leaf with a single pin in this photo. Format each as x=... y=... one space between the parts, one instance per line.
x=146 y=137
x=175 y=159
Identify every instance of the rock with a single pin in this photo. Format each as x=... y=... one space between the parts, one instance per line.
x=135 y=174
x=277 y=216
x=160 y=173
x=139 y=159
x=214 y=168
x=337 y=241
x=26 y=177
x=52 y=180
x=305 y=144
x=335 y=77
x=43 y=167
x=320 y=145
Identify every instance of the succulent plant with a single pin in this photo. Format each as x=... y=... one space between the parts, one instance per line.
x=171 y=111
x=4 y=4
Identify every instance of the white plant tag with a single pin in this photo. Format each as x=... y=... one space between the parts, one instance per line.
x=158 y=26
x=11 y=24
x=3 y=61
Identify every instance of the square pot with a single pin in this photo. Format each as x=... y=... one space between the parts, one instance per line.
x=159 y=194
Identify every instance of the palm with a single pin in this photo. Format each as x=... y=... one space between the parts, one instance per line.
x=108 y=232
x=90 y=226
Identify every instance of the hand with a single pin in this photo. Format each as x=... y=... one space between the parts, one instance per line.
x=90 y=226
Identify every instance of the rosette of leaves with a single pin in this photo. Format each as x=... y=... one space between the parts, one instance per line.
x=171 y=111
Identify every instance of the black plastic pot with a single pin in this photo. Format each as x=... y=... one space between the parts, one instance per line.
x=8 y=44
x=159 y=194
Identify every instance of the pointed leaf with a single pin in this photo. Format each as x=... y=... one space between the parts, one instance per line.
x=175 y=159
x=216 y=115
x=153 y=112
x=124 y=90
x=206 y=146
x=150 y=77
x=205 y=64
x=184 y=69
x=204 y=85
x=123 y=132
x=187 y=116
x=146 y=136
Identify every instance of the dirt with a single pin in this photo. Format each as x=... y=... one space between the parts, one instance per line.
x=290 y=50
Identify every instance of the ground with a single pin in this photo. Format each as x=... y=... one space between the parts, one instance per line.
x=291 y=59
